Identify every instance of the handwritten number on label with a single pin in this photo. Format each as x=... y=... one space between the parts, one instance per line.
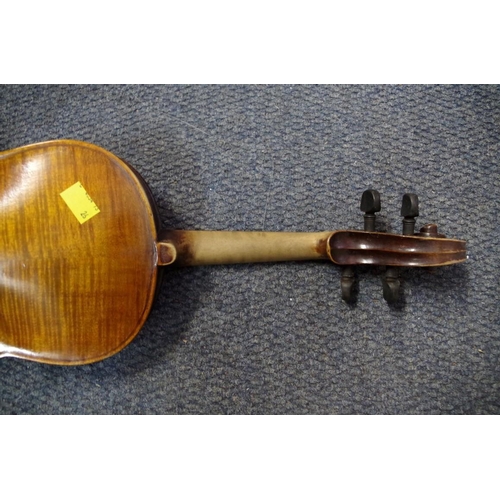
x=80 y=202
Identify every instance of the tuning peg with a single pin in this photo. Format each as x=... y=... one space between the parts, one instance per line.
x=391 y=282
x=347 y=284
x=370 y=204
x=391 y=285
x=409 y=210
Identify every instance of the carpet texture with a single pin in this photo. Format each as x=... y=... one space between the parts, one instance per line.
x=276 y=338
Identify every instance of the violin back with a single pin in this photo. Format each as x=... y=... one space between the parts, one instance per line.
x=78 y=259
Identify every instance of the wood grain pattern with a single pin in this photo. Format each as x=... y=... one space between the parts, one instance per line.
x=76 y=289
x=350 y=248
x=72 y=293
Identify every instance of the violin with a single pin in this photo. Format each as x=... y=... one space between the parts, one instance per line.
x=83 y=253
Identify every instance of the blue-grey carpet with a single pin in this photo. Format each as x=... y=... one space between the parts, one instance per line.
x=276 y=338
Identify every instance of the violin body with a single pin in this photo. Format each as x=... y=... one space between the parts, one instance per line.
x=72 y=292
x=82 y=252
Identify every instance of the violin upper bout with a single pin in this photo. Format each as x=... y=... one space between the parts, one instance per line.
x=385 y=249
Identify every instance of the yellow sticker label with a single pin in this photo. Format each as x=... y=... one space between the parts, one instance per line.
x=79 y=202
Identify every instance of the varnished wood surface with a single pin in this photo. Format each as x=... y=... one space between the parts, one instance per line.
x=75 y=293
x=72 y=293
x=386 y=249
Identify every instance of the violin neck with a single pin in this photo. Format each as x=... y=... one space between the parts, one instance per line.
x=195 y=248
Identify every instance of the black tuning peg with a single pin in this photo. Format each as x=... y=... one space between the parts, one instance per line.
x=409 y=210
x=391 y=281
x=391 y=285
x=370 y=204
x=347 y=284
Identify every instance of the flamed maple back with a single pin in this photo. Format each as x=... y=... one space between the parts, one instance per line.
x=73 y=292
x=80 y=251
